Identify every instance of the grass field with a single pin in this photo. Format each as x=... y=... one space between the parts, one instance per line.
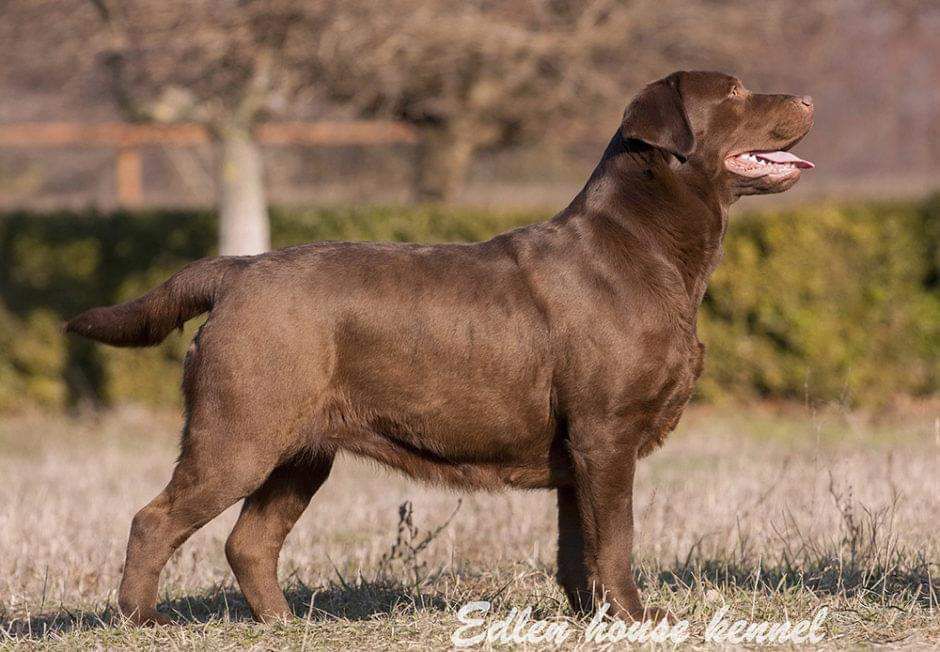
x=771 y=512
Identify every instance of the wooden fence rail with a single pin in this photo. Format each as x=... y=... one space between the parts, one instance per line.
x=127 y=139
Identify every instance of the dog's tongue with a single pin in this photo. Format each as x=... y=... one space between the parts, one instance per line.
x=786 y=157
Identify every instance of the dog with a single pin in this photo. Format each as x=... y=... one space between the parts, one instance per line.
x=552 y=356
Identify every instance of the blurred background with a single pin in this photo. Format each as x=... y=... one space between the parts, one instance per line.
x=138 y=135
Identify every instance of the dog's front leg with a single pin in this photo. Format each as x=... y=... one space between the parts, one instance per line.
x=603 y=492
x=574 y=552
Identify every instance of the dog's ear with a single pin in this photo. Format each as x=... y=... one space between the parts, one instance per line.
x=658 y=118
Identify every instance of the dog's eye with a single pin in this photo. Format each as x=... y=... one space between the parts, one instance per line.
x=734 y=92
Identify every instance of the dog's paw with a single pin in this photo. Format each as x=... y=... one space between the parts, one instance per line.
x=150 y=618
x=651 y=614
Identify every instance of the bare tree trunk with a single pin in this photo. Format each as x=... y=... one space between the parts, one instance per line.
x=443 y=159
x=243 y=214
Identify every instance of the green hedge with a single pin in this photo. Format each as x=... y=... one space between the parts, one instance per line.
x=830 y=303
x=827 y=303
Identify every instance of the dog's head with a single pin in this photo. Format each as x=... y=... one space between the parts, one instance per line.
x=711 y=123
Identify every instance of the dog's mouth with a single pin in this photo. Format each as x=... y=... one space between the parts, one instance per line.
x=756 y=164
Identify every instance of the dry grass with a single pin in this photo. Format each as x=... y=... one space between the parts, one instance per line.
x=772 y=514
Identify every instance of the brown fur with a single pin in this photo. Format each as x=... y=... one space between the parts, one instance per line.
x=553 y=356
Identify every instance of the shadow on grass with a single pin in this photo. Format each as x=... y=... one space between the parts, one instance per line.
x=359 y=602
x=885 y=584
x=904 y=581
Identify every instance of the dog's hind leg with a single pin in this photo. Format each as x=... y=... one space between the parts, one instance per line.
x=217 y=468
x=265 y=521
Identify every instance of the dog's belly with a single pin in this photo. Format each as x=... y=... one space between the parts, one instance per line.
x=468 y=445
x=535 y=471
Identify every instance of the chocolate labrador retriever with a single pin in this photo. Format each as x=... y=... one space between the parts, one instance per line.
x=553 y=356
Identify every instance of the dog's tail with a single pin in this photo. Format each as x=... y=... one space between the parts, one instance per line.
x=147 y=320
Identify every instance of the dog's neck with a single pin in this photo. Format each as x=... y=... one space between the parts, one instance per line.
x=668 y=206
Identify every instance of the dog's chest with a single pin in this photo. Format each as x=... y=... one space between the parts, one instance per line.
x=674 y=402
